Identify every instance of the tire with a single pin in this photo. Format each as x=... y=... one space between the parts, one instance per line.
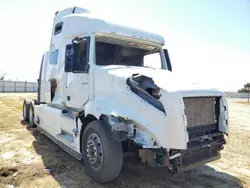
x=109 y=153
x=31 y=116
x=26 y=108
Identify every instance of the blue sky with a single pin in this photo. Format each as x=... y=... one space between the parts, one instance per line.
x=208 y=41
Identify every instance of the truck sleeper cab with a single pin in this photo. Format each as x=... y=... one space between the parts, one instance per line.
x=105 y=89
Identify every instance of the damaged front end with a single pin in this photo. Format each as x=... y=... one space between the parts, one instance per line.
x=194 y=126
x=205 y=137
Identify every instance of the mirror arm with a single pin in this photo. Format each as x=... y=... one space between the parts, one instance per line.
x=78 y=39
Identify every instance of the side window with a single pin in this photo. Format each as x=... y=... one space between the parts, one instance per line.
x=58 y=28
x=53 y=57
x=153 y=60
x=82 y=57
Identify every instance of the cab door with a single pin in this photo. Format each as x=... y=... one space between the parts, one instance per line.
x=77 y=66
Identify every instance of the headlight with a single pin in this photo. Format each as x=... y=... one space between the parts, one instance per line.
x=113 y=120
x=120 y=124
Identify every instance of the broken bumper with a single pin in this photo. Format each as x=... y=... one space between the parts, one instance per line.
x=196 y=155
x=207 y=150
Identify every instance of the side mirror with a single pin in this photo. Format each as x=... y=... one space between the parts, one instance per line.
x=169 y=66
x=77 y=56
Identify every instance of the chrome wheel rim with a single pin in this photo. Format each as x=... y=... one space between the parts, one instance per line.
x=94 y=151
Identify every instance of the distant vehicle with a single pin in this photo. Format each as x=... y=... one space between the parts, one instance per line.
x=106 y=89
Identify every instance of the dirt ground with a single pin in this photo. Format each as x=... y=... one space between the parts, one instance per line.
x=29 y=159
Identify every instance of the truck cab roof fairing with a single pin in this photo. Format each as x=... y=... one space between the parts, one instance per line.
x=82 y=23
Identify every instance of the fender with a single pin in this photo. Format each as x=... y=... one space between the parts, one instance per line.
x=149 y=122
x=145 y=137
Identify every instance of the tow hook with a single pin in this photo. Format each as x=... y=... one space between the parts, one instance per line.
x=205 y=137
x=174 y=156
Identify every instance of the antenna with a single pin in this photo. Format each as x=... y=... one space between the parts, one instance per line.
x=73 y=11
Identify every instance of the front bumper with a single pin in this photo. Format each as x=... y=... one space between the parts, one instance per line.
x=201 y=150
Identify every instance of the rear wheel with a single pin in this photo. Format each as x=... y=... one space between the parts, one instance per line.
x=102 y=157
x=31 y=116
x=26 y=108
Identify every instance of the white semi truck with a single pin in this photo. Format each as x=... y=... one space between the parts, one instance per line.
x=106 y=89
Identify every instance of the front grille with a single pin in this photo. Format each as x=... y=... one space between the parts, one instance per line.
x=201 y=111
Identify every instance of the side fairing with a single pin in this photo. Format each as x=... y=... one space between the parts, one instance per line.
x=42 y=78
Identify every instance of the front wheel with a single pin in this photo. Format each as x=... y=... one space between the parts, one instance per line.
x=102 y=157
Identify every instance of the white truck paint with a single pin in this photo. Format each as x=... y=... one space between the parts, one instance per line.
x=152 y=117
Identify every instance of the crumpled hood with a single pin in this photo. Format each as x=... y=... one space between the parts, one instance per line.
x=167 y=125
x=164 y=79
